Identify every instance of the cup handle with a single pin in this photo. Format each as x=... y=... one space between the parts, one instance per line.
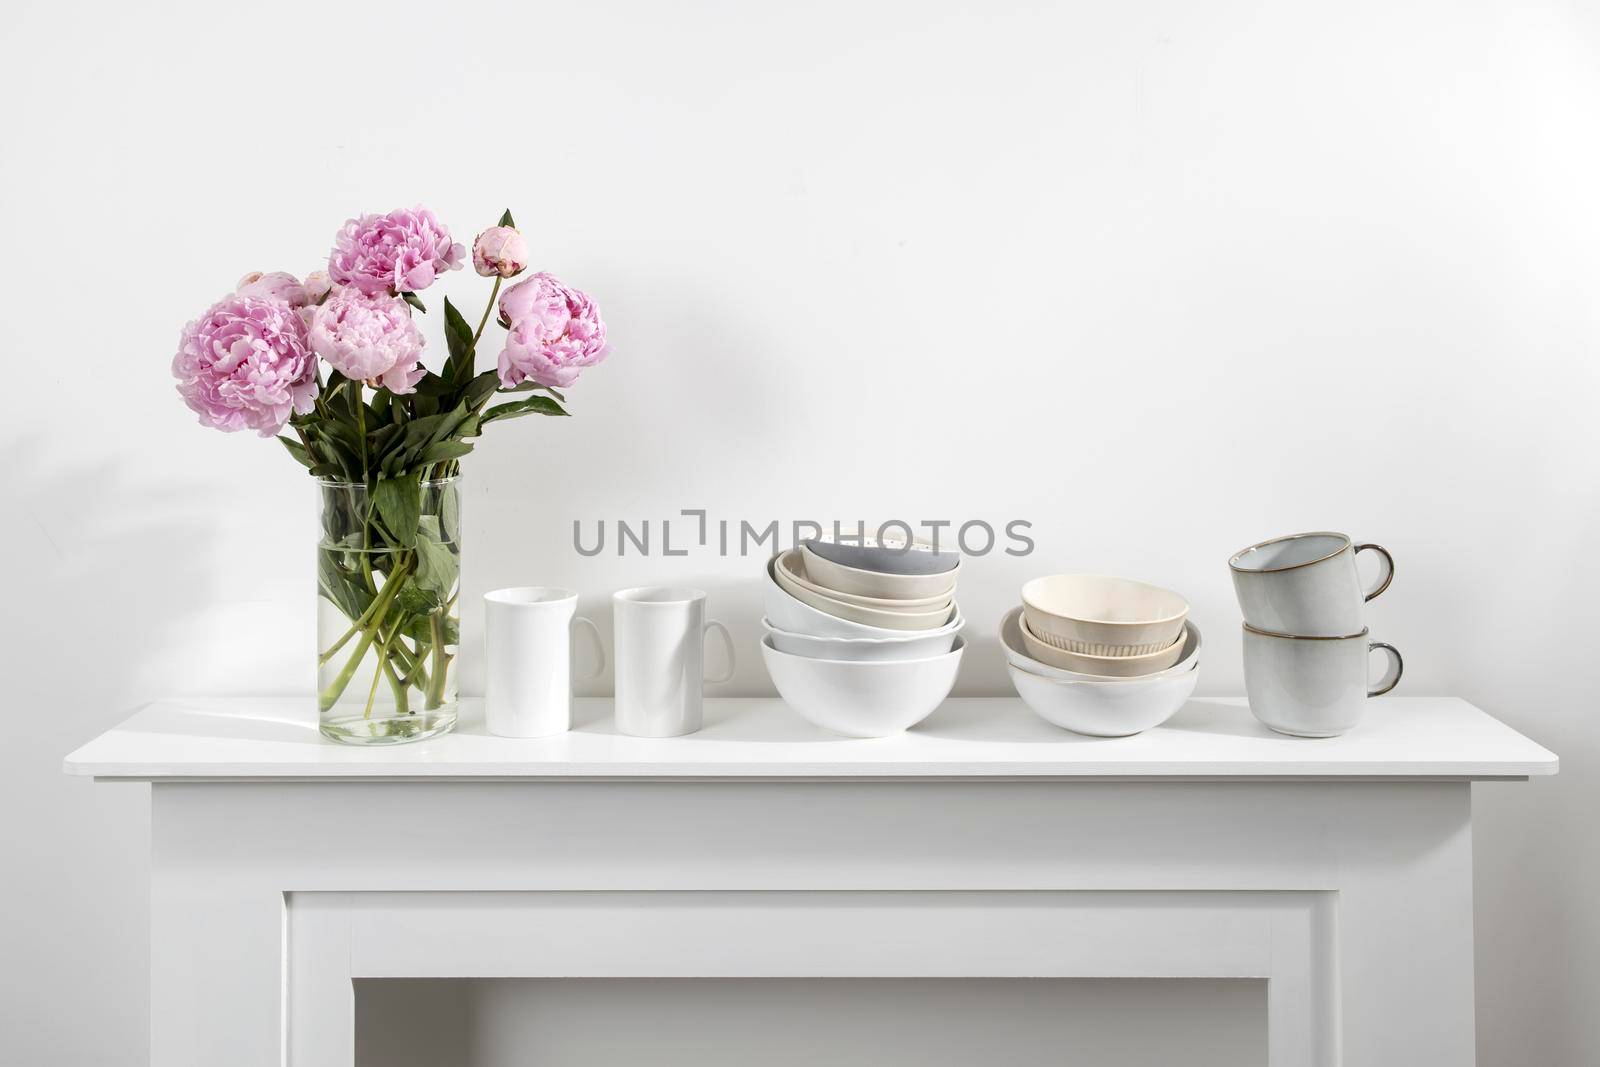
x=1388 y=572
x=1391 y=677
x=727 y=640
x=599 y=647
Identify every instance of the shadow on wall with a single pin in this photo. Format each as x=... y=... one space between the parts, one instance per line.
x=105 y=576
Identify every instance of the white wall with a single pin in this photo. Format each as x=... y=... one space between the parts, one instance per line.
x=1164 y=278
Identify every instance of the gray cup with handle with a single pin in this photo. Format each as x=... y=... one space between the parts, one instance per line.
x=1307 y=585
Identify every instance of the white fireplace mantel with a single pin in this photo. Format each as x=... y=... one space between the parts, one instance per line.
x=983 y=843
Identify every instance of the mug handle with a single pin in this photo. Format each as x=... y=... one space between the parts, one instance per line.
x=1391 y=677
x=1388 y=572
x=727 y=641
x=599 y=646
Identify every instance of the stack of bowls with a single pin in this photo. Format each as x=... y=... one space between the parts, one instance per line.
x=1099 y=655
x=862 y=639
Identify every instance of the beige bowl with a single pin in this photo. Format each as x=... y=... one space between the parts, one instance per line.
x=791 y=563
x=1016 y=651
x=1102 y=666
x=1098 y=615
x=839 y=579
x=888 y=620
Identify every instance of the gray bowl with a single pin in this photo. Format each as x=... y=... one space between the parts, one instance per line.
x=886 y=559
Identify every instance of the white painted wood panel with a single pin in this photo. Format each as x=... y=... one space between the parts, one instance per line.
x=1402 y=737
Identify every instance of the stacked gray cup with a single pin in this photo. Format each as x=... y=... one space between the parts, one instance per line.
x=1306 y=644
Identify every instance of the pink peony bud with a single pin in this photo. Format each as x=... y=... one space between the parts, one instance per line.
x=317 y=285
x=500 y=250
x=278 y=285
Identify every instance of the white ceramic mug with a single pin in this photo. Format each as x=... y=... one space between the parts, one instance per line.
x=528 y=691
x=1312 y=686
x=660 y=651
x=1306 y=584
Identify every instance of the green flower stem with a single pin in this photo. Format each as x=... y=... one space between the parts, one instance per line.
x=359 y=624
x=397 y=688
x=329 y=696
x=441 y=664
x=487 y=309
x=377 y=674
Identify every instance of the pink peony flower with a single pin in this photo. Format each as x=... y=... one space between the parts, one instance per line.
x=401 y=252
x=369 y=338
x=555 y=332
x=500 y=250
x=246 y=364
x=278 y=285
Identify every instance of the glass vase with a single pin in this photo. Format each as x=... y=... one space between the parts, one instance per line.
x=388 y=614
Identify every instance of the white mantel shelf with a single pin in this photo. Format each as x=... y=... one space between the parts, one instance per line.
x=1401 y=738
x=982 y=843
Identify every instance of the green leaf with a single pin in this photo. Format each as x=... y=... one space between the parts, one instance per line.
x=481 y=388
x=339 y=586
x=411 y=298
x=534 y=405
x=415 y=600
x=418 y=629
x=458 y=336
x=438 y=569
x=433 y=385
x=399 y=502
x=381 y=438
x=443 y=451
x=505 y=219
x=528 y=385
x=298 y=451
x=449 y=516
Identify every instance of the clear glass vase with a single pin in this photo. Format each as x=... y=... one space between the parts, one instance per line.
x=388 y=613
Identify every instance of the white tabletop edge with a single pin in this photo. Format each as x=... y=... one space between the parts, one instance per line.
x=988 y=738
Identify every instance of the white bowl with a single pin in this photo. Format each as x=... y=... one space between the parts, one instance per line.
x=866 y=616
x=887 y=557
x=862 y=699
x=1101 y=666
x=791 y=565
x=1017 y=656
x=1098 y=615
x=789 y=613
x=840 y=579
x=1101 y=708
x=873 y=649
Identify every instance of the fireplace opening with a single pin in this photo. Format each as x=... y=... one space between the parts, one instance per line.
x=804 y=1022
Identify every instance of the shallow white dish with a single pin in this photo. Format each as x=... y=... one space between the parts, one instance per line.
x=791 y=566
x=1099 y=615
x=886 y=620
x=1105 y=709
x=867 y=649
x=840 y=579
x=1017 y=655
x=862 y=699
x=788 y=613
x=1100 y=666
x=887 y=557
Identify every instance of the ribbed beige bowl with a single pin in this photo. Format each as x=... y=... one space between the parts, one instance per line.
x=1102 y=666
x=1099 y=615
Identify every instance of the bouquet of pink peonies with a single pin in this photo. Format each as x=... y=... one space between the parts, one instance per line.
x=337 y=359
